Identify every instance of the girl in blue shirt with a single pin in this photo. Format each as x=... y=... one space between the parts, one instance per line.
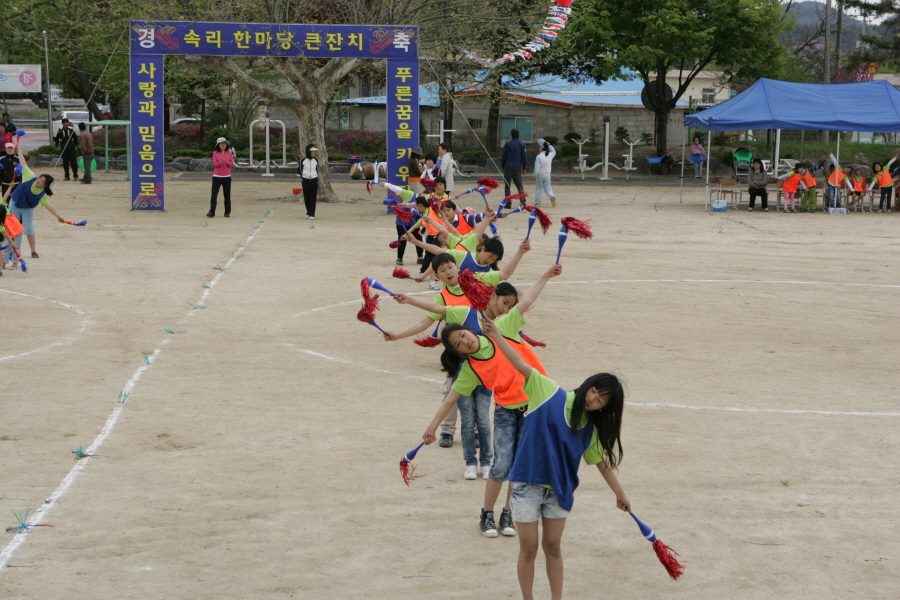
x=560 y=428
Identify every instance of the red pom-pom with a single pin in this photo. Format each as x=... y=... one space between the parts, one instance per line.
x=404 y=214
x=428 y=341
x=478 y=293
x=370 y=303
x=579 y=228
x=297 y=191
x=394 y=244
x=489 y=182
x=667 y=557
x=401 y=273
x=516 y=197
x=532 y=342
x=428 y=184
x=407 y=471
x=542 y=217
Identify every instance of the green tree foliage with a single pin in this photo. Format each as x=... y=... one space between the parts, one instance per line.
x=611 y=38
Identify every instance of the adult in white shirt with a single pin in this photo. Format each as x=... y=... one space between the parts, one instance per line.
x=445 y=162
x=309 y=177
x=542 y=167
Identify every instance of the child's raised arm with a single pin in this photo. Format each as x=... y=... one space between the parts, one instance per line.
x=424 y=245
x=489 y=217
x=411 y=330
x=489 y=329
x=433 y=307
x=507 y=270
x=534 y=291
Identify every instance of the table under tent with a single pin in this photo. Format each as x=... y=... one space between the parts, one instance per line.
x=870 y=106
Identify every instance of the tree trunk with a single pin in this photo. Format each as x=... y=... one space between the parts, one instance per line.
x=310 y=111
x=85 y=87
x=662 y=126
x=202 y=120
x=493 y=121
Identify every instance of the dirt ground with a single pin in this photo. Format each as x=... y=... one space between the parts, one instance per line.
x=255 y=456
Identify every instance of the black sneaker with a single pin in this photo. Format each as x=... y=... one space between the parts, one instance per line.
x=419 y=260
x=507 y=527
x=488 y=529
x=34 y=255
x=446 y=440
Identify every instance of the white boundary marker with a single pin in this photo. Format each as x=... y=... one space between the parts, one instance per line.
x=85 y=321
x=40 y=513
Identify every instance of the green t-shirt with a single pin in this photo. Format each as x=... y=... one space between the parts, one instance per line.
x=488 y=278
x=468 y=241
x=468 y=380
x=540 y=388
x=28 y=175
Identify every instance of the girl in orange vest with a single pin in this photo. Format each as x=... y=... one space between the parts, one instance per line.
x=882 y=176
x=857 y=185
x=836 y=182
x=808 y=203
x=791 y=183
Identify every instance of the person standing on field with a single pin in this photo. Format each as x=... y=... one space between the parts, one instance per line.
x=514 y=162
x=87 y=151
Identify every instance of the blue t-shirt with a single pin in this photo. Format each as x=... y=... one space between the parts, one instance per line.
x=549 y=452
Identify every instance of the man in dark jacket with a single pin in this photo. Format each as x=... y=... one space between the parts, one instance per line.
x=8 y=162
x=514 y=162
x=67 y=141
x=9 y=128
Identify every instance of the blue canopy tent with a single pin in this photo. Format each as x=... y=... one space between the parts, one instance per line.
x=872 y=106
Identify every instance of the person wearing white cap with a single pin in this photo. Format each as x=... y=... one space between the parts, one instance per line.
x=308 y=170
x=8 y=164
x=222 y=163
x=542 y=167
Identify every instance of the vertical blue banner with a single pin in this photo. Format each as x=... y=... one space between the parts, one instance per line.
x=147 y=136
x=402 y=117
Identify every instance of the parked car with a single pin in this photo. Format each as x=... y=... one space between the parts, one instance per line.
x=186 y=121
x=75 y=116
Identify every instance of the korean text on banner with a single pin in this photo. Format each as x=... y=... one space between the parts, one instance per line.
x=402 y=117
x=147 y=141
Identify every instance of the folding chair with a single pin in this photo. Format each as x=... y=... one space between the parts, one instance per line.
x=743 y=158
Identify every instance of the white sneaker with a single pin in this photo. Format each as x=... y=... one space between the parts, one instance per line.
x=485 y=472
x=312 y=218
x=434 y=285
x=471 y=472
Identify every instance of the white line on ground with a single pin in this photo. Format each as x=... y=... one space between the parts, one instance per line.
x=644 y=404
x=85 y=321
x=40 y=513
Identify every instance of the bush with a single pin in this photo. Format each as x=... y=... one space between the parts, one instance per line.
x=622 y=134
x=571 y=137
x=472 y=155
x=647 y=138
x=552 y=139
x=47 y=149
x=569 y=150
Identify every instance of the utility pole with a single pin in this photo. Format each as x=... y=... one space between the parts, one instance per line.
x=838 y=41
x=827 y=52
x=49 y=93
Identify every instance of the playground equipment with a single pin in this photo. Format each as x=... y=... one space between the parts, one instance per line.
x=269 y=162
x=629 y=158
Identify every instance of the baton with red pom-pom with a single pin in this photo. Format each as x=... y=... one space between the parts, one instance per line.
x=407 y=470
x=531 y=341
x=507 y=201
x=478 y=292
x=428 y=184
x=579 y=228
x=404 y=214
x=401 y=273
x=378 y=286
x=665 y=554
x=370 y=304
x=430 y=341
x=79 y=224
x=21 y=260
x=489 y=183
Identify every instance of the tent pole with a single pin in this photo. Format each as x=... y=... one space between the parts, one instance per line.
x=708 y=160
x=838 y=155
x=777 y=149
x=683 y=142
x=802 y=138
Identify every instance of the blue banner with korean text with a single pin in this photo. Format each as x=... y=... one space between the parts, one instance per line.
x=265 y=39
x=402 y=117
x=147 y=149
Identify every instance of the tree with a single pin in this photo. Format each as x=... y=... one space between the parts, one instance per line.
x=612 y=39
x=311 y=83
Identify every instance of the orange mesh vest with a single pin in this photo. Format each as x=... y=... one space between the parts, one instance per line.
x=884 y=179
x=790 y=184
x=809 y=180
x=528 y=355
x=837 y=178
x=451 y=299
x=859 y=185
x=497 y=374
x=462 y=226
x=429 y=228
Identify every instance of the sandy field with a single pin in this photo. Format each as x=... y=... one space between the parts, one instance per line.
x=255 y=453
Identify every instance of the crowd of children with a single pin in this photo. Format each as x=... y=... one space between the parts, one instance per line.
x=517 y=424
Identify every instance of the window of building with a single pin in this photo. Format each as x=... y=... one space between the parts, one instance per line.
x=476 y=123
x=369 y=89
x=709 y=96
x=523 y=124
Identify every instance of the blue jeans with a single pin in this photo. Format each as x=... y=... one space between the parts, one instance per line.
x=508 y=426
x=543 y=182
x=26 y=218
x=476 y=410
x=530 y=502
x=834 y=193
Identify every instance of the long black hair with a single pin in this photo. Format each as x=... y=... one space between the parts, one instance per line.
x=607 y=420
x=48 y=179
x=450 y=358
x=546 y=148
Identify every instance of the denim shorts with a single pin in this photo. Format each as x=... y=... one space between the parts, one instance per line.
x=508 y=426
x=530 y=502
